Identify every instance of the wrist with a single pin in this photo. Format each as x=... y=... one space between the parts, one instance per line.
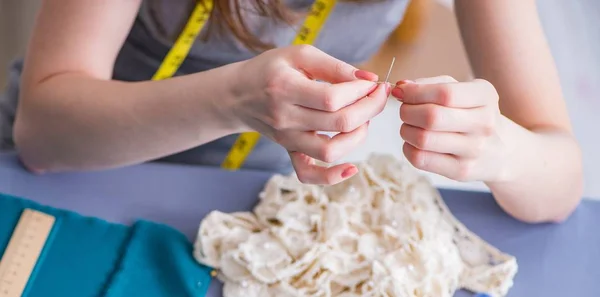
x=224 y=104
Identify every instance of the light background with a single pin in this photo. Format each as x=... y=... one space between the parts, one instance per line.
x=573 y=33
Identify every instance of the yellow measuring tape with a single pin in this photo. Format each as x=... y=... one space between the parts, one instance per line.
x=308 y=33
x=184 y=42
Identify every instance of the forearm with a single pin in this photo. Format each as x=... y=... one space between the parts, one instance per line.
x=74 y=122
x=542 y=174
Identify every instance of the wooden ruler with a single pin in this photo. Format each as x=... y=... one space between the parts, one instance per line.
x=23 y=250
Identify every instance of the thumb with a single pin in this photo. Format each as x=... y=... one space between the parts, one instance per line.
x=319 y=65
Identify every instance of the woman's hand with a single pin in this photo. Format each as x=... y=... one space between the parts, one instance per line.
x=452 y=128
x=276 y=94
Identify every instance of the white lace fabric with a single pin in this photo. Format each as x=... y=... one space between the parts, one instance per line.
x=384 y=232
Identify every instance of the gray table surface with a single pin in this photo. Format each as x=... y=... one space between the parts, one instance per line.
x=554 y=260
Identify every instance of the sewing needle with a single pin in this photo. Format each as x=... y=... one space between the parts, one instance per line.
x=387 y=77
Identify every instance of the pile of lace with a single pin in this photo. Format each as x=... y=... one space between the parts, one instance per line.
x=384 y=232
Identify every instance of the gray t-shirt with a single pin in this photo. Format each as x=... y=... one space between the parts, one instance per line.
x=353 y=33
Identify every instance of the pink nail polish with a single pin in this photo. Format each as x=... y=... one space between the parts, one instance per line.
x=349 y=172
x=366 y=75
x=403 y=82
x=398 y=92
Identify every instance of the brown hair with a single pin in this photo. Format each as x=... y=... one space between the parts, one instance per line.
x=228 y=15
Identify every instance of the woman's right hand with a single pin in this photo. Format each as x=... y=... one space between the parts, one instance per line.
x=277 y=94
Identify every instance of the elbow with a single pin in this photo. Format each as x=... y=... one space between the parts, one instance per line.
x=559 y=208
x=24 y=147
x=38 y=131
x=28 y=149
x=574 y=190
x=572 y=199
x=557 y=192
x=543 y=218
x=562 y=214
x=560 y=218
x=556 y=208
x=550 y=215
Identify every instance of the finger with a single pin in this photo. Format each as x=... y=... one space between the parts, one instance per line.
x=398 y=90
x=366 y=75
x=322 y=147
x=435 y=80
x=445 y=119
x=344 y=120
x=309 y=173
x=472 y=94
x=443 y=164
x=329 y=97
x=319 y=65
x=459 y=144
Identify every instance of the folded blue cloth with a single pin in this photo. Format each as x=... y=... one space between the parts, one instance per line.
x=86 y=256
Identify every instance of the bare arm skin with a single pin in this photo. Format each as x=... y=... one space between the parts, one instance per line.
x=507 y=47
x=73 y=117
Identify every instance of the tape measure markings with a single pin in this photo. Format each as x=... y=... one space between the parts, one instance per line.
x=184 y=42
x=307 y=34
x=314 y=22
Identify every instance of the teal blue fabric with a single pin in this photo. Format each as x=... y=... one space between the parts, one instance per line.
x=158 y=262
x=87 y=256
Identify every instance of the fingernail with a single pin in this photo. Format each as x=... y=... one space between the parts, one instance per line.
x=398 y=93
x=388 y=89
x=403 y=82
x=349 y=172
x=366 y=75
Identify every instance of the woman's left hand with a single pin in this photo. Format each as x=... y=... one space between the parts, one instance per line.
x=453 y=128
